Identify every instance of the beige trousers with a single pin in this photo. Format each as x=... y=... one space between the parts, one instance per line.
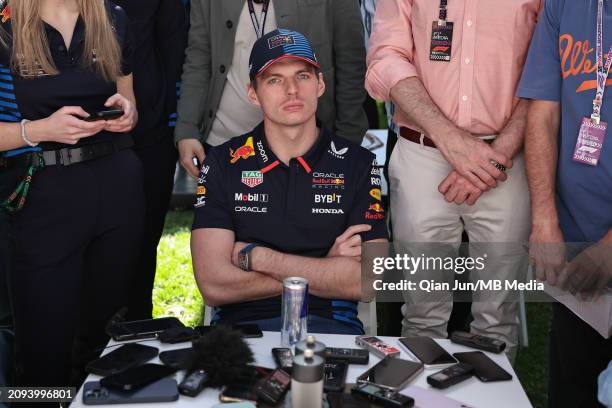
x=421 y=215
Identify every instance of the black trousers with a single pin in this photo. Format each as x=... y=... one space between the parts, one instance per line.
x=6 y=322
x=74 y=246
x=578 y=354
x=159 y=163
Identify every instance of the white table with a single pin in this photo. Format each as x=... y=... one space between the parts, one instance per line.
x=508 y=394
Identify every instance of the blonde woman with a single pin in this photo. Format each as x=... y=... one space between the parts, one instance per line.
x=75 y=235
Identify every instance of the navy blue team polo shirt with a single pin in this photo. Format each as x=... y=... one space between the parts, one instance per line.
x=298 y=209
x=561 y=67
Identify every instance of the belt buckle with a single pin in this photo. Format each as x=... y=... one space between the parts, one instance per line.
x=62 y=156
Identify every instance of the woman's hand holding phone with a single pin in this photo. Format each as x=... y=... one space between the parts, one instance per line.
x=126 y=122
x=64 y=126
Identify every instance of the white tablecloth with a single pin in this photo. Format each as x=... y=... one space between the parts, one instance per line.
x=477 y=394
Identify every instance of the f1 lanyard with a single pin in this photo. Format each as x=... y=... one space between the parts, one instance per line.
x=259 y=29
x=443 y=12
x=602 y=69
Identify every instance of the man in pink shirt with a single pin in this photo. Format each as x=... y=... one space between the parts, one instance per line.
x=452 y=69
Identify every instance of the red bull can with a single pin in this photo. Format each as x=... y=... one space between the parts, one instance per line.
x=294 y=314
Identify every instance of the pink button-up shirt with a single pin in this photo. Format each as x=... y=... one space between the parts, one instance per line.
x=476 y=89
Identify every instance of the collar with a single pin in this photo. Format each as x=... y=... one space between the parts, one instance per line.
x=267 y=160
x=55 y=37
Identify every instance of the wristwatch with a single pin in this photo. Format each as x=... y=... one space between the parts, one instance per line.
x=244 y=257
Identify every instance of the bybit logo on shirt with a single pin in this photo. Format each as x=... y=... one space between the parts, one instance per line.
x=328 y=198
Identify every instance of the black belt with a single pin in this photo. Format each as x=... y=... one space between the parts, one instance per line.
x=73 y=155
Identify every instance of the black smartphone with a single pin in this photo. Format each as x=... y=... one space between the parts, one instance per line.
x=485 y=369
x=283 y=357
x=177 y=335
x=391 y=373
x=164 y=390
x=107 y=114
x=178 y=359
x=137 y=377
x=249 y=330
x=335 y=376
x=245 y=391
x=343 y=400
x=124 y=357
x=427 y=351
x=142 y=329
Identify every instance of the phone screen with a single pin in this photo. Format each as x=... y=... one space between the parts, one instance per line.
x=249 y=330
x=485 y=369
x=393 y=373
x=179 y=358
x=122 y=358
x=427 y=350
x=136 y=377
x=143 y=328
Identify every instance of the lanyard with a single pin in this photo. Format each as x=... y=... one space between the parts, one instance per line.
x=602 y=69
x=443 y=10
x=259 y=29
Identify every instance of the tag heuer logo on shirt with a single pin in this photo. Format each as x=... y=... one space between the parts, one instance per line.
x=252 y=178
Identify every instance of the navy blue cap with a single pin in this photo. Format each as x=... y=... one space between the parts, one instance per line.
x=277 y=45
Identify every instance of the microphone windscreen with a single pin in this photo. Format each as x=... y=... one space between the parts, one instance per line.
x=224 y=355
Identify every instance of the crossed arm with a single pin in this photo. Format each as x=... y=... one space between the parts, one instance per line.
x=214 y=252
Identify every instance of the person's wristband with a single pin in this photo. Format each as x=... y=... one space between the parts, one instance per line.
x=23 y=133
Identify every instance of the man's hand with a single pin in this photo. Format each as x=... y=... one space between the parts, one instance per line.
x=547 y=250
x=590 y=271
x=472 y=157
x=458 y=189
x=349 y=243
x=188 y=149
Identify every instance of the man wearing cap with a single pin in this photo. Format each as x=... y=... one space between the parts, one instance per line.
x=452 y=68
x=214 y=106
x=285 y=199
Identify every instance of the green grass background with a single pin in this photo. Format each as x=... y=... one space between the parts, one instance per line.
x=176 y=294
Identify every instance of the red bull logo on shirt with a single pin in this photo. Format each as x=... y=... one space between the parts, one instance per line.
x=243 y=152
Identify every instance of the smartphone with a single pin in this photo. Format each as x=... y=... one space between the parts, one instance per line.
x=127 y=356
x=335 y=376
x=178 y=359
x=391 y=373
x=108 y=114
x=164 y=390
x=142 y=329
x=249 y=331
x=485 y=369
x=137 y=377
x=427 y=351
x=343 y=400
x=245 y=391
x=283 y=357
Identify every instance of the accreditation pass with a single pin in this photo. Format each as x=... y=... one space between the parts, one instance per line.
x=37 y=394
